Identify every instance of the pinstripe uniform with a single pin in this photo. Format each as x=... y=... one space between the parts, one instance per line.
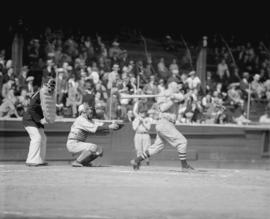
x=166 y=129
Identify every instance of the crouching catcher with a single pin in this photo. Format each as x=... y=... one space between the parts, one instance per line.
x=82 y=126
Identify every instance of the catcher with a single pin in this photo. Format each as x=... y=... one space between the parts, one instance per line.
x=76 y=142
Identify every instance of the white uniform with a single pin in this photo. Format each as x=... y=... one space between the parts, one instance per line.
x=166 y=130
x=142 y=139
x=78 y=135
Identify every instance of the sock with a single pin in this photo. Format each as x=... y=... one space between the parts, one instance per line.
x=89 y=159
x=183 y=159
x=84 y=156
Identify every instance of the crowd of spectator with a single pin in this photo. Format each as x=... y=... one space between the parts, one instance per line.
x=90 y=70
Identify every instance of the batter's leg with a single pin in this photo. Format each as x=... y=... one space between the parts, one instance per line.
x=153 y=149
x=177 y=140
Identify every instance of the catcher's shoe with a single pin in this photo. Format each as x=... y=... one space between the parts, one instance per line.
x=135 y=165
x=88 y=164
x=99 y=154
x=76 y=164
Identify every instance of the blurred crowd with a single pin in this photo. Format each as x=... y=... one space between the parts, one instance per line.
x=88 y=69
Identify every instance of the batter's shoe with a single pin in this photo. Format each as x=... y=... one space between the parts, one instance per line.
x=76 y=164
x=188 y=168
x=135 y=165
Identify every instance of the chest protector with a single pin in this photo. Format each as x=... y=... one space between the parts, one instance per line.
x=48 y=104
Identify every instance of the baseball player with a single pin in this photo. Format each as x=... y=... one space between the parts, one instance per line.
x=76 y=142
x=141 y=125
x=166 y=129
x=33 y=122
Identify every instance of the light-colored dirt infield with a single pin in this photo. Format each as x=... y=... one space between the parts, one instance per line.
x=60 y=191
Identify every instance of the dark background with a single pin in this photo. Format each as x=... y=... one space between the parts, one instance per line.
x=152 y=18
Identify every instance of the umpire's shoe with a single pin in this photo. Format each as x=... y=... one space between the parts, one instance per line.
x=136 y=165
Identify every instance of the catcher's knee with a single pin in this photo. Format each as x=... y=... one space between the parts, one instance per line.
x=92 y=147
x=99 y=151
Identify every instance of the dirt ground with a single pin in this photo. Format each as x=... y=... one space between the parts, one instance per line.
x=156 y=192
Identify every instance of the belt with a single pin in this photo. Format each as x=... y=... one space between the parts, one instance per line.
x=75 y=139
x=142 y=132
x=169 y=120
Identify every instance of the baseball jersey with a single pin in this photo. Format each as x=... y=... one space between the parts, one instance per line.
x=169 y=108
x=80 y=129
x=141 y=127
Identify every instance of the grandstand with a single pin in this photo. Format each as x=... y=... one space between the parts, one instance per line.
x=60 y=47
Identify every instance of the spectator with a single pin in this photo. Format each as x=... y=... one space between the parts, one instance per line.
x=223 y=72
x=49 y=70
x=30 y=86
x=163 y=71
x=244 y=85
x=115 y=51
x=22 y=77
x=100 y=106
x=234 y=96
x=265 y=118
x=74 y=98
x=7 y=108
x=207 y=101
x=33 y=51
x=9 y=85
x=23 y=101
x=113 y=76
x=193 y=81
x=267 y=89
x=123 y=58
x=130 y=116
x=113 y=106
x=10 y=75
x=235 y=76
x=102 y=90
x=257 y=88
x=148 y=71
x=161 y=86
x=89 y=94
x=93 y=74
x=174 y=77
x=209 y=83
x=131 y=67
x=174 y=65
